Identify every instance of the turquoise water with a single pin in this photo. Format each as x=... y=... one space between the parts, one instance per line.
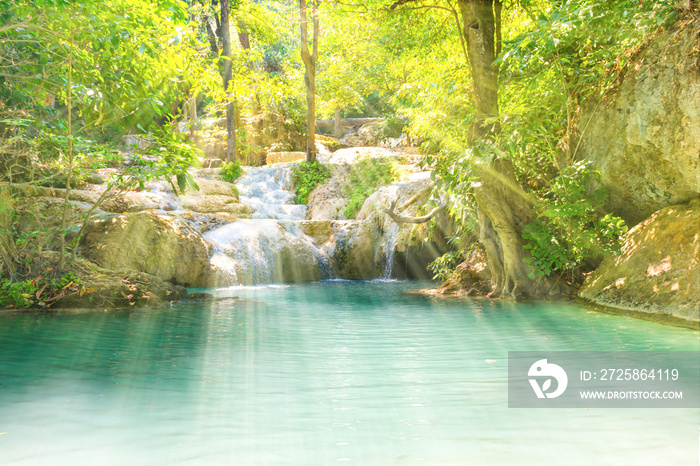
x=313 y=374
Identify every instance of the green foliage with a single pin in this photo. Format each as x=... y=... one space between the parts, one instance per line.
x=331 y=144
x=231 y=171
x=366 y=176
x=122 y=57
x=169 y=155
x=305 y=178
x=37 y=290
x=444 y=266
x=568 y=231
x=17 y=294
x=557 y=56
x=391 y=127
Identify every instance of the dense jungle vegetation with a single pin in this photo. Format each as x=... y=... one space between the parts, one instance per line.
x=490 y=92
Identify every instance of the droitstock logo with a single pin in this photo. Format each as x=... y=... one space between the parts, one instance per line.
x=542 y=370
x=603 y=379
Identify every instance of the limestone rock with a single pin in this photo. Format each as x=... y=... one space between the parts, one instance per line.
x=354 y=253
x=214 y=187
x=657 y=271
x=163 y=246
x=365 y=135
x=213 y=196
x=328 y=201
x=402 y=192
x=139 y=202
x=375 y=246
x=214 y=203
x=646 y=139
x=320 y=230
x=328 y=209
x=474 y=272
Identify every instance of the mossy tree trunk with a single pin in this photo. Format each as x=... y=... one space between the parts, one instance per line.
x=503 y=207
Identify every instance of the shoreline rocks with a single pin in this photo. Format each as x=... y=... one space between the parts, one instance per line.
x=657 y=272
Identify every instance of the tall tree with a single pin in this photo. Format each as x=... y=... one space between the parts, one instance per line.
x=504 y=208
x=231 y=152
x=310 y=60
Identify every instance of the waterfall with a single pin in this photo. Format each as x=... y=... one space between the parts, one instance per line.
x=271 y=246
x=390 y=237
x=267 y=191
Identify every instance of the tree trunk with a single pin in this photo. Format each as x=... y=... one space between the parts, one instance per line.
x=227 y=75
x=64 y=214
x=337 y=126
x=479 y=25
x=503 y=207
x=309 y=60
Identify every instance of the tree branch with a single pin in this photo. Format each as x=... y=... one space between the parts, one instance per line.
x=398 y=218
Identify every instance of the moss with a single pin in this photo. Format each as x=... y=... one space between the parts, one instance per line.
x=306 y=176
x=331 y=144
x=366 y=176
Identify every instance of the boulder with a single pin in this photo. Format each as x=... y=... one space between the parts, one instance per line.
x=645 y=139
x=328 y=201
x=214 y=187
x=474 y=272
x=374 y=245
x=320 y=230
x=163 y=246
x=214 y=195
x=139 y=201
x=401 y=192
x=410 y=246
x=354 y=254
x=328 y=209
x=365 y=135
x=214 y=203
x=657 y=273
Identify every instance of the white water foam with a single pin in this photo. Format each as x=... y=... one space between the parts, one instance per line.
x=271 y=246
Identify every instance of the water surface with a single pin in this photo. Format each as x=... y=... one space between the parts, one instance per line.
x=320 y=373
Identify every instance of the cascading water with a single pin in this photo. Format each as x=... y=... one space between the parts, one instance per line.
x=390 y=238
x=267 y=192
x=271 y=246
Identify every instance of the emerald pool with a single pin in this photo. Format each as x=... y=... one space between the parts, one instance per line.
x=333 y=372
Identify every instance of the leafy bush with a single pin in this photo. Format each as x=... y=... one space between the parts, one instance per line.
x=231 y=171
x=16 y=294
x=444 y=266
x=391 y=127
x=366 y=176
x=568 y=231
x=170 y=156
x=305 y=178
x=36 y=290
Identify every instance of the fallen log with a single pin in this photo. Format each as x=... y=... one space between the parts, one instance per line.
x=347 y=122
